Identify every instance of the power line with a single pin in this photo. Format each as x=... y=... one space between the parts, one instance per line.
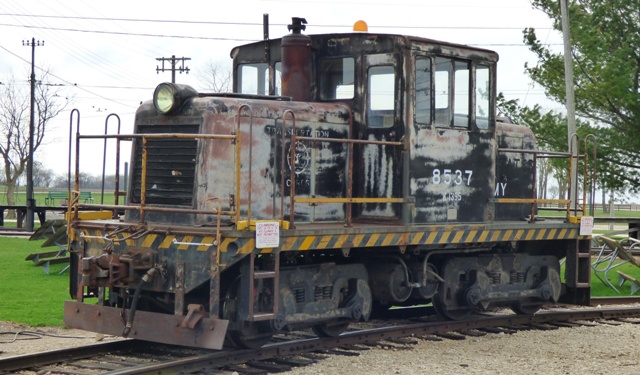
x=226 y=23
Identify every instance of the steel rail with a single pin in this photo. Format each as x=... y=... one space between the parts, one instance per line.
x=369 y=336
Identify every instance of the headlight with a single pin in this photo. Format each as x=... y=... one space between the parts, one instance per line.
x=169 y=96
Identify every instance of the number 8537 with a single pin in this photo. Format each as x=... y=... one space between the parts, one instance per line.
x=452 y=177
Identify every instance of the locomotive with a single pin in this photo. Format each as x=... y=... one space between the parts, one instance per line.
x=345 y=174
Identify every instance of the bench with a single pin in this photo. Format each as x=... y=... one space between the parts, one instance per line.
x=46 y=262
x=635 y=284
x=64 y=196
x=21 y=214
x=54 y=232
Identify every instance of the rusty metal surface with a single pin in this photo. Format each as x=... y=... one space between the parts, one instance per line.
x=164 y=328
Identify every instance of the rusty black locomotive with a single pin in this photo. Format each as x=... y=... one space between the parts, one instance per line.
x=345 y=174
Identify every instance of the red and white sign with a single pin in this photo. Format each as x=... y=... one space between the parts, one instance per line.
x=267 y=234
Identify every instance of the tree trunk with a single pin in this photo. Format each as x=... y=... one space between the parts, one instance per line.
x=11 y=200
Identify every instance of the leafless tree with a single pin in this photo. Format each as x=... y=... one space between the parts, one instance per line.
x=15 y=116
x=215 y=75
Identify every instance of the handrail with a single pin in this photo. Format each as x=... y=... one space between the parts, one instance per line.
x=238 y=164
x=104 y=160
x=593 y=177
x=571 y=185
x=77 y=181
x=349 y=200
x=142 y=208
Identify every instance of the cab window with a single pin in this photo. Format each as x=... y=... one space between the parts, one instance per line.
x=381 y=96
x=337 y=80
x=423 y=91
x=253 y=79
x=482 y=96
x=461 y=97
x=452 y=93
x=442 y=91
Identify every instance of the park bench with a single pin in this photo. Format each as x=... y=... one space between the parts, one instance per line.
x=635 y=284
x=54 y=232
x=51 y=197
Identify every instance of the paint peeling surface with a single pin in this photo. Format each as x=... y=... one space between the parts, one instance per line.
x=450 y=175
x=265 y=171
x=514 y=171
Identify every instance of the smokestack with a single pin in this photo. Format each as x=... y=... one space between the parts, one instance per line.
x=296 y=62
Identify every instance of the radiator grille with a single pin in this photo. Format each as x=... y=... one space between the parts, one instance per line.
x=171 y=165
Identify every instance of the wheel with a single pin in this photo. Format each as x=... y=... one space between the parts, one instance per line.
x=243 y=334
x=329 y=329
x=526 y=308
x=440 y=305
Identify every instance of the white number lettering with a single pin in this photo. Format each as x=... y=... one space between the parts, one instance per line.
x=452 y=197
x=447 y=176
x=436 y=176
x=458 y=179
x=468 y=172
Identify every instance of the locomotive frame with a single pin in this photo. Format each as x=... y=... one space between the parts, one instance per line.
x=346 y=173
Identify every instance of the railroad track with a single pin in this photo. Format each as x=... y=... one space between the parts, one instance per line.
x=291 y=350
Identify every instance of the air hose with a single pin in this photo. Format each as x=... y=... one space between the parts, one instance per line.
x=136 y=296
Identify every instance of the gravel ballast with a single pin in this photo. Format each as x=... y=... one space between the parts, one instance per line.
x=601 y=349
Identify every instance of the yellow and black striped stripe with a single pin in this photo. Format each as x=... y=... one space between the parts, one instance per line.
x=444 y=237
x=289 y=241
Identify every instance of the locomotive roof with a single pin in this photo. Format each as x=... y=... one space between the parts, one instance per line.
x=382 y=43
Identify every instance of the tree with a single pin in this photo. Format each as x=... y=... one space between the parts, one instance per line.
x=606 y=53
x=42 y=176
x=15 y=113
x=215 y=76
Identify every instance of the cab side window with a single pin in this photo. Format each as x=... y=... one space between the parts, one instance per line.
x=253 y=79
x=381 y=96
x=482 y=96
x=423 y=91
x=337 y=78
x=442 y=91
x=452 y=92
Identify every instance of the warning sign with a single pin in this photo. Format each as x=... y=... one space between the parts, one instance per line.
x=267 y=234
x=586 y=225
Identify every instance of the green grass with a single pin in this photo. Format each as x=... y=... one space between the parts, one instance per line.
x=28 y=295
x=598 y=289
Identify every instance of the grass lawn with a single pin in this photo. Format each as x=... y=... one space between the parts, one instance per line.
x=27 y=294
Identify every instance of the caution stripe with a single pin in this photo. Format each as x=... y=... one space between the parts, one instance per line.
x=96 y=237
x=245 y=245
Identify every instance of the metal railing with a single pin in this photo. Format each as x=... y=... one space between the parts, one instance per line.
x=588 y=179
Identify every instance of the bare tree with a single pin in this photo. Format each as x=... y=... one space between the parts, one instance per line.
x=15 y=113
x=215 y=75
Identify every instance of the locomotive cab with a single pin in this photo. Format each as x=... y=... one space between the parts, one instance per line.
x=434 y=99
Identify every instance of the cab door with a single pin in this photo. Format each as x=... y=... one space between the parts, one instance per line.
x=379 y=168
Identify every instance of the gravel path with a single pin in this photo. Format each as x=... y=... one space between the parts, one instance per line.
x=603 y=349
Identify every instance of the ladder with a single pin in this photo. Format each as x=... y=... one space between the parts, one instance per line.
x=259 y=287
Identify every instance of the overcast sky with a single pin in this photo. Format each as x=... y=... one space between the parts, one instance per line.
x=104 y=52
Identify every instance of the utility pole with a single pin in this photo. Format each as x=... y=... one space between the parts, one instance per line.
x=173 y=60
x=31 y=202
x=570 y=101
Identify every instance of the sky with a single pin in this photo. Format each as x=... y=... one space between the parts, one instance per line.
x=103 y=53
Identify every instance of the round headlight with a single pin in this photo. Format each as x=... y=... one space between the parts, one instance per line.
x=164 y=97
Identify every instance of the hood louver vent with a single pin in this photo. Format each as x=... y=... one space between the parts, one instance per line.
x=171 y=165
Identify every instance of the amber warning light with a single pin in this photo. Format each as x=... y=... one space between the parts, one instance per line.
x=360 y=26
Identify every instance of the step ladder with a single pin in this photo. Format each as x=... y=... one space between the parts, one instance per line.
x=255 y=283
